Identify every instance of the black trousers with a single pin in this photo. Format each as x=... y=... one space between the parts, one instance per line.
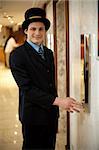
x=39 y=137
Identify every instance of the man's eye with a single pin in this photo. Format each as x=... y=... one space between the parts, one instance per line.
x=41 y=29
x=33 y=29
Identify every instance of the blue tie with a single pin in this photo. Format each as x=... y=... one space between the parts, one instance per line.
x=41 y=52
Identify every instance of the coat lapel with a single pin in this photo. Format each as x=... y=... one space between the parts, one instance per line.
x=32 y=53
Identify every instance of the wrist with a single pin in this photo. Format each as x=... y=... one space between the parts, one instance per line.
x=57 y=101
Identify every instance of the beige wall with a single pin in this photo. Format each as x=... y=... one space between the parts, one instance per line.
x=84 y=126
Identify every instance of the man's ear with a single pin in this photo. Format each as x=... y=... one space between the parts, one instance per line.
x=25 y=31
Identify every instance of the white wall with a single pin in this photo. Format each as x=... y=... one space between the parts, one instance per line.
x=84 y=126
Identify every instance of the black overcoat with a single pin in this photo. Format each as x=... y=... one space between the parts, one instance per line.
x=35 y=78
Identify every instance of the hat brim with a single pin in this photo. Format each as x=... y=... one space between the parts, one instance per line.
x=44 y=20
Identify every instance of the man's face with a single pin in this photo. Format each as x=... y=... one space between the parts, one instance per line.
x=36 y=32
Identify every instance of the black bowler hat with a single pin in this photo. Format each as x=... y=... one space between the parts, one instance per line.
x=35 y=15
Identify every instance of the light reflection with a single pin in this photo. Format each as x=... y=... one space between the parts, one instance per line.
x=14 y=141
x=16 y=125
x=0 y=27
x=17 y=117
x=15 y=132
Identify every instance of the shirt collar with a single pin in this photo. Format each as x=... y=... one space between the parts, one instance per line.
x=35 y=46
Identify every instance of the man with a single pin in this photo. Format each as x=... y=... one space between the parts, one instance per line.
x=32 y=66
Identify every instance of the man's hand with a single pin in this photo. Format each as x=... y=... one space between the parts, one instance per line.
x=69 y=104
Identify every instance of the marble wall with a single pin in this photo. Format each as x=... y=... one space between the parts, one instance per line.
x=61 y=65
x=84 y=126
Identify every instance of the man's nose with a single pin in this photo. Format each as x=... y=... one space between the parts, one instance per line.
x=37 y=32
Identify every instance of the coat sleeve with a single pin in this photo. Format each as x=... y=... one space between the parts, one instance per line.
x=32 y=94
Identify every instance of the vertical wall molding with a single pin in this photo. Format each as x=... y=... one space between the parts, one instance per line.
x=67 y=70
x=55 y=40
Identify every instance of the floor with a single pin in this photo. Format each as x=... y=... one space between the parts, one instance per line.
x=10 y=127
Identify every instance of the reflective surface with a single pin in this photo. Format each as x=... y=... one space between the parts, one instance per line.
x=85 y=66
x=10 y=127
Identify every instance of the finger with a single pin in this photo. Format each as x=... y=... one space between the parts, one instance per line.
x=76 y=109
x=77 y=105
x=70 y=110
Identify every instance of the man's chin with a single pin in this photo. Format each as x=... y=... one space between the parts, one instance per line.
x=37 y=42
